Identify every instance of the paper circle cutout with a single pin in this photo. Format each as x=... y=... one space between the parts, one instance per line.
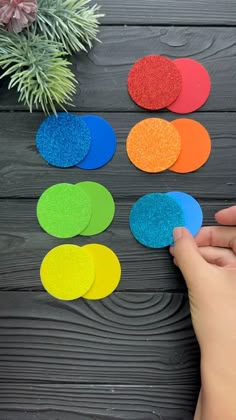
x=103 y=143
x=153 y=145
x=154 y=82
x=63 y=140
x=153 y=219
x=103 y=207
x=67 y=272
x=196 y=86
x=192 y=210
x=107 y=271
x=196 y=146
x=64 y=210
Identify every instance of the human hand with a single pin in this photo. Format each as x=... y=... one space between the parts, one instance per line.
x=218 y=244
x=208 y=264
x=209 y=267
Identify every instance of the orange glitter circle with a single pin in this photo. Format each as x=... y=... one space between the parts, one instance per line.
x=153 y=145
x=196 y=145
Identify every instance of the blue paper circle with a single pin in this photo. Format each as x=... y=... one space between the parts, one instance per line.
x=63 y=140
x=192 y=210
x=153 y=219
x=103 y=143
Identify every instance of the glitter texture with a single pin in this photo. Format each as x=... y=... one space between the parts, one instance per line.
x=153 y=219
x=64 y=210
x=67 y=272
x=154 y=82
x=63 y=140
x=153 y=145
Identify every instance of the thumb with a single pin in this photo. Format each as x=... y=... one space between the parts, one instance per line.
x=187 y=256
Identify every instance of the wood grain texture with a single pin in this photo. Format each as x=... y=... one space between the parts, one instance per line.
x=103 y=72
x=23 y=173
x=189 y=12
x=132 y=356
x=23 y=245
x=42 y=401
x=127 y=338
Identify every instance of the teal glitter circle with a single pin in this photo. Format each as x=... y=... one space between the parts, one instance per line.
x=153 y=219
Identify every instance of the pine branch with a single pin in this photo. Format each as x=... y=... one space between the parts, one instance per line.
x=38 y=69
x=71 y=22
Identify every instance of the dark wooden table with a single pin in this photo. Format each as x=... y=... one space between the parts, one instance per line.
x=132 y=355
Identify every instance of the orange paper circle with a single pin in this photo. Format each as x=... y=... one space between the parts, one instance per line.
x=196 y=145
x=153 y=145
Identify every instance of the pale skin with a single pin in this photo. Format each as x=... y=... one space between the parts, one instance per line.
x=208 y=264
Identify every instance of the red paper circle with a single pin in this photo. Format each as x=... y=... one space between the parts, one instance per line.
x=154 y=82
x=196 y=86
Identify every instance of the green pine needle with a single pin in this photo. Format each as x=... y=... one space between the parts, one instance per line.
x=35 y=60
x=70 y=22
x=38 y=70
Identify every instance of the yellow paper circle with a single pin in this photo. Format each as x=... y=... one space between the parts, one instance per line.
x=107 y=271
x=67 y=272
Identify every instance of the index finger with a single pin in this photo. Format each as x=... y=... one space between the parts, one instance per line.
x=219 y=236
x=226 y=216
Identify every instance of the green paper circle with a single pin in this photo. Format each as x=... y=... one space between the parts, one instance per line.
x=64 y=210
x=103 y=207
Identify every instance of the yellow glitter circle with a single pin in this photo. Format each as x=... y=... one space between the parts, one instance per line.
x=108 y=271
x=67 y=272
x=153 y=145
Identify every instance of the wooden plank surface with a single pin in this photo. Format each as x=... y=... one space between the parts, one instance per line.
x=175 y=12
x=132 y=356
x=27 y=401
x=126 y=339
x=103 y=72
x=23 y=173
x=24 y=244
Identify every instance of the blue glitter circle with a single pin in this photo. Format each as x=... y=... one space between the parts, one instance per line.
x=63 y=140
x=153 y=219
x=192 y=210
x=103 y=143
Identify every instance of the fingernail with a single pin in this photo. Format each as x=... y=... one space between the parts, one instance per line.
x=178 y=233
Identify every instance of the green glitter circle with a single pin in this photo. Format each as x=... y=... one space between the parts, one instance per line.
x=64 y=210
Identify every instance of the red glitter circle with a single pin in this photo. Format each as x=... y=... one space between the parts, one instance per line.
x=154 y=82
